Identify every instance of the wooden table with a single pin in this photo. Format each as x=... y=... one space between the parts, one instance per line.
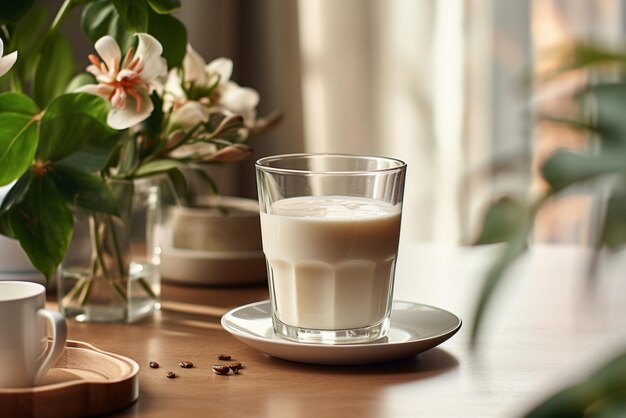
x=543 y=331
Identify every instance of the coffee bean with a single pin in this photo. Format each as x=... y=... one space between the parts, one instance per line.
x=186 y=364
x=225 y=357
x=153 y=365
x=235 y=367
x=170 y=375
x=220 y=369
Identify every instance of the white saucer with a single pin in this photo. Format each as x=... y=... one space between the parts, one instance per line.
x=414 y=328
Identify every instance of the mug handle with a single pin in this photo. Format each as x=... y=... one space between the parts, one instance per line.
x=59 y=338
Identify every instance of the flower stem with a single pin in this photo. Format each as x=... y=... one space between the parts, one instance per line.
x=86 y=291
x=74 y=291
x=116 y=248
x=119 y=290
x=63 y=10
x=96 y=245
x=146 y=287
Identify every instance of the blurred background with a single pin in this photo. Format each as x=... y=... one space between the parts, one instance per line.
x=448 y=86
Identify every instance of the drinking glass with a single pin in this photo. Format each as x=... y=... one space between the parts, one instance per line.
x=330 y=226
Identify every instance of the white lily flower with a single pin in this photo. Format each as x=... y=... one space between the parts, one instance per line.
x=240 y=100
x=126 y=83
x=227 y=96
x=188 y=115
x=6 y=62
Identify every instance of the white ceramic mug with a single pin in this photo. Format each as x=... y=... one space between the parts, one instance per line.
x=24 y=353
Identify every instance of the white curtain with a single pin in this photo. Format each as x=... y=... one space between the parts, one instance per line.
x=443 y=84
x=385 y=77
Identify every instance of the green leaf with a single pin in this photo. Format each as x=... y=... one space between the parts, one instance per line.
x=128 y=156
x=79 y=80
x=512 y=250
x=17 y=192
x=154 y=122
x=515 y=246
x=179 y=185
x=172 y=34
x=94 y=156
x=5 y=227
x=133 y=14
x=13 y=10
x=83 y=189
x=55 y=67
x=100 y=18
x=613 y=233
x=155 y=167
x=565 y=168
x=606 y=103
x=43 y=224
x=18 y=142
x=502 y=221
x=164 y=6
x=27 y=38
x=603 y=389
x=17 y=103
x=70 y=122
x=584 y=56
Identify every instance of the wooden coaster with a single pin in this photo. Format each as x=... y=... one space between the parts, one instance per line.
x=85 y=381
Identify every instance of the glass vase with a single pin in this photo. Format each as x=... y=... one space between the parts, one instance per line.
x=111 y=271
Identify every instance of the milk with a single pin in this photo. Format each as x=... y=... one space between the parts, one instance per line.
x=332 y=260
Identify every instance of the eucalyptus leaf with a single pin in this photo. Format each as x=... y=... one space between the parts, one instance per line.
x=583 y=56
x=70 y=122
x=133 y=14
x=43 y=224
x=55 y=68
x=164 y=6
x=606 y=103
x=587 y=398
x=172 y=34
x=82 y=189
x=565 y=168
x=502 y=221
x=13 y=10
x=18 y=142
x=511 y=251
x=613 y=232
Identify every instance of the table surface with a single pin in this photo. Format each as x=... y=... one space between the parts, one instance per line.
x=547 y=327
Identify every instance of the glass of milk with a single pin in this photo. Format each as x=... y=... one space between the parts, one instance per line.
x=330 y=225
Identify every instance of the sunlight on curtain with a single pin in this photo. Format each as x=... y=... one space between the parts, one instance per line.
x=447 y=86
x=386 y=78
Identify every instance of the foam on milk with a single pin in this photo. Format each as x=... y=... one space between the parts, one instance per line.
x=332 y=259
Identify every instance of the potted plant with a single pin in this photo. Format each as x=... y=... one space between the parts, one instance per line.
x=600 y=166
x=89 y=152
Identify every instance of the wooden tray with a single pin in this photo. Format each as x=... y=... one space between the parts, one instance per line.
x=85 y=381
